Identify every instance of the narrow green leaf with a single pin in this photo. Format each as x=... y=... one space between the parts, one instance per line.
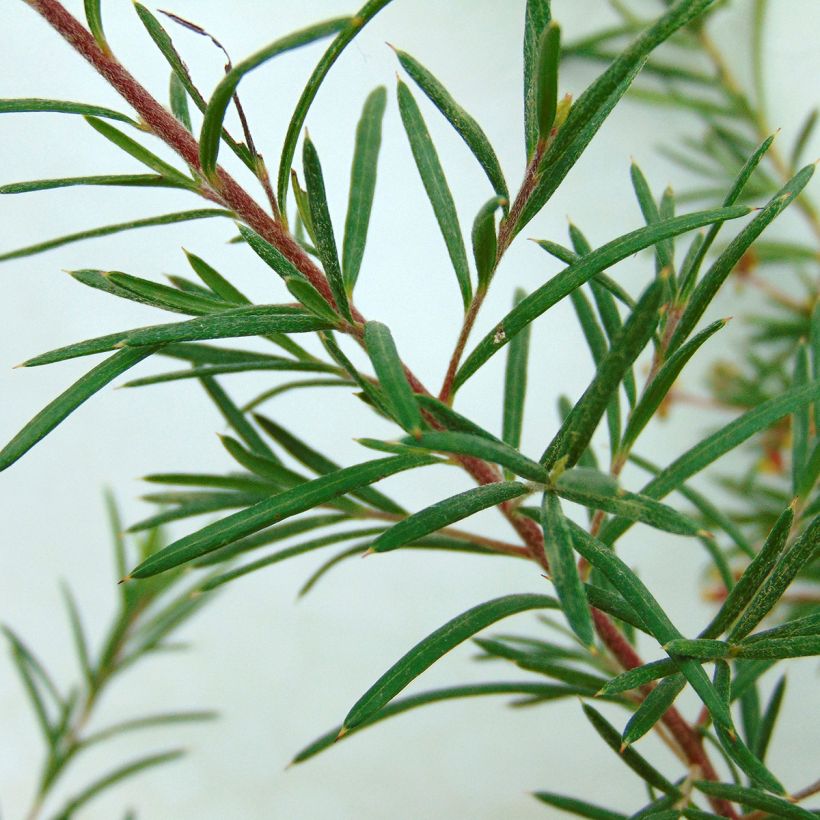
x=323 y=227
x=164 y=43
x=515 y=383
x=283 y=555
x=549 y=55
x=572 y=277
x=794 y=647
x=270 y=511
x=640 y=675
x=31 y=104
x=93 y=15
x=252 y=320
x=754 y=798
x=178 y=97
x=78 y=634
x=801 y=552
x=450 y=419
x=803 y=137
x=536 y=19
x=769 y=719
x=728 y=259
x=124 y=180
x=140 y=153
x=653 y=708
x=651 y=214
x=467 y=128
x=322 y=465
x=215 y=281
x=20 y=657
x=689 y=280
x=576 y=431
x=365 y=14
x=485 y=241
x=705 y=649
x=645 y=770
x=657 y=621
x=753 y=576
x=807 y=625
x=148 y=722
x=166 y=219
x=468 y=444
x=164 y=296
x=660 y=385
x=737 y=750
x=223 y=94
x=236 y=419
x=800 y=423
x=547 y=691
x=714 y=446
x=435 y=184
x=578 y=807
x=436 y=645
x=206 y=503
x=599 y=492
x=593 y=106
x=119 y=774
x=446 y=512
x=390 y=371
x=66 y=403
x=208 y=371
x=563 y=570
x=362 y=184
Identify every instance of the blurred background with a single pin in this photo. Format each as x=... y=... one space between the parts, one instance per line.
x=281 y=672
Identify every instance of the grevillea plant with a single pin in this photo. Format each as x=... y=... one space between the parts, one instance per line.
x=282 y=488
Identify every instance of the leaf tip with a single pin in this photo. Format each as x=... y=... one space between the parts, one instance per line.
x=342 y=732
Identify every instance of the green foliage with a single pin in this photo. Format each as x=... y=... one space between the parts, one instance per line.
x=278 y=487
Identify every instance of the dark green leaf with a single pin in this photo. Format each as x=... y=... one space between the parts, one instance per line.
x=270 y=511
x=125 y=180
x=435 y=184
x=31 y=104
x=537 y=18
x=753 y=576
x=578 y=807
x=166 y=219
x=434 y=646
x=636 y=762
x=485 y=242
x=66 y=403
x=515 y=384
x=728 y=259
x=215 y=281
x=653 y=708
x=446 y=512
x=362 y=184
x=543 y=298
x=390 y=371
x=546 y=102
x=178 y=97
x=468 y=444
x=469 y=130
x=801 y=552
x=224 y=92
x=323 y=227
x=576 y=431
x=365 y=14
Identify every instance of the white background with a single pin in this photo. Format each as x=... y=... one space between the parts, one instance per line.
x=280 y=672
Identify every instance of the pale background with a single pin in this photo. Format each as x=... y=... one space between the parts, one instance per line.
x=282 y=673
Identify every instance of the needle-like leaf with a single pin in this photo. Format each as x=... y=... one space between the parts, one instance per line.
x=563 y=570
x=281 y=506
x=224 y=92
x=468 y=129
x=446 y=512
x=549 y=294
x=362 y=184
x=436 y=645
x=389 y=369
x=435 y=184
